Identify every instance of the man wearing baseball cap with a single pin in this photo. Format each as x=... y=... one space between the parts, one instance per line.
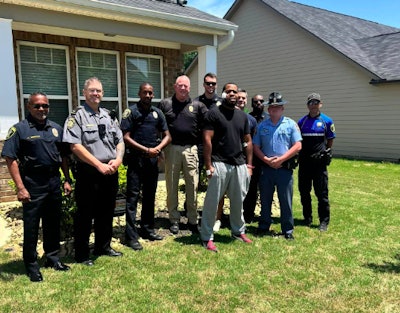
x=318 y=131
x=276 y=142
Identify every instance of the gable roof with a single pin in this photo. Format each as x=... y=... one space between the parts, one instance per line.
x=373 y=46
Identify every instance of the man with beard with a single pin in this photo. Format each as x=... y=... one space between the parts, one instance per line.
x=249 y=204
x=226 y=135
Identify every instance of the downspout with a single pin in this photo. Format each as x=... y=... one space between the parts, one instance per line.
x=227 y=42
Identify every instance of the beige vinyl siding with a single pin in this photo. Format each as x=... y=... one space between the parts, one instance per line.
x=271 y=53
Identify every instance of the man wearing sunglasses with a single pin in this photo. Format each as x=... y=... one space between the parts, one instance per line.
x=34 y=153
x=318 y=131
x=211 y=99
x=249 y=203
x=97 y=142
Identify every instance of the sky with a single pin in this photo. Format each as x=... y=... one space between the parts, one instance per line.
x=386 y=12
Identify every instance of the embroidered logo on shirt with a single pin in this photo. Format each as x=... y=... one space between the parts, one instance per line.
x=191 y=108
x=155 y=115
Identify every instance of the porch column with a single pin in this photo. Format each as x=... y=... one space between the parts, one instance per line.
x=207 y=62
x=8 y=87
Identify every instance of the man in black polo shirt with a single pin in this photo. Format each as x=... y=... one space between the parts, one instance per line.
x=185 y=122
x=141 y=124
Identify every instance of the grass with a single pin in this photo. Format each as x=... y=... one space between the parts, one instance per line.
x=354 y=267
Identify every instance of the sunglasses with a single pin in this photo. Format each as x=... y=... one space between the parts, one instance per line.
x=260 y=100
x=38 y=106
x=210 y=84
x=313 y=102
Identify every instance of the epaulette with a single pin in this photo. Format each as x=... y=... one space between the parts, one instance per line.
x=76 y=110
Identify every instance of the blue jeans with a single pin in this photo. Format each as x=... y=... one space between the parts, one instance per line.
x=283 y=180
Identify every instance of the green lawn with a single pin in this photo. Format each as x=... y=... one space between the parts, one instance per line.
x=354 y=267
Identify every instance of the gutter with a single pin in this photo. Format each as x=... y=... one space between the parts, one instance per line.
x=383 y=81
x=124 y=13
x=227 y=42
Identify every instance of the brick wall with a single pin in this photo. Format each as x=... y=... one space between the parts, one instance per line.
x=7 y=194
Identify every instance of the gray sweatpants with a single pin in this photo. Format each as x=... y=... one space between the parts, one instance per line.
x=233 y=180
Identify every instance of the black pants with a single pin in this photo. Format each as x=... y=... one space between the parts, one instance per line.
x=95 y=195
x=314 y=173
x=45 y=204
x=249 y=203
x=142 y=174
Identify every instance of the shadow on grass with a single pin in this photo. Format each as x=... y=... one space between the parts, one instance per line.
x=386 y=267
x=9 y=270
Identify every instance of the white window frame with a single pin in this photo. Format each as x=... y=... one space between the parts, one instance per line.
x=23 y=96
x=105 y=98
x=147 y=56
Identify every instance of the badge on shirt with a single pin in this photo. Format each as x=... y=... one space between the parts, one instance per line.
x=11 y=132
x=155 y=115
x=218 y=103
x=71 y=122
x=319 y=124
x=55 y=132
x=191 y=108
x=126 y=113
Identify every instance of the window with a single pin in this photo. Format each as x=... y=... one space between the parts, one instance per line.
x=44 y=68
x=144 y=68
x=104 y=66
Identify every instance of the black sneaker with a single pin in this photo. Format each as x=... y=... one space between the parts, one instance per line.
x=289 y=236
x=174 y=228
x=323 y=227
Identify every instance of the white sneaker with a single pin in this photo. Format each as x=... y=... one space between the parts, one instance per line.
x=217 y=226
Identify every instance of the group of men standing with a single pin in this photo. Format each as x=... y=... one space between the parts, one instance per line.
x=210 y=128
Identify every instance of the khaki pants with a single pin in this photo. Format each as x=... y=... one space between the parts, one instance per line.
x=185 y=159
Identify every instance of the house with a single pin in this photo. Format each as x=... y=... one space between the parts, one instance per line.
x=55 y=45
x=298 y=49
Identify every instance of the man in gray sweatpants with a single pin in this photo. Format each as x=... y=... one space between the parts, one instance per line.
x=227 y=147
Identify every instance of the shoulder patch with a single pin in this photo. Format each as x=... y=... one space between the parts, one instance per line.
x=71 y=122
x=11 y=132
x=155 y=115
x=333 y=128
x=126 y=113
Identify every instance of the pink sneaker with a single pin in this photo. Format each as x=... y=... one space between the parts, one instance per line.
x=209 y=245
x=242 y=237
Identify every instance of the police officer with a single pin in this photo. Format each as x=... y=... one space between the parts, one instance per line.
x=318 y=131
x=141 y=124
x=277 y=140
x=185 y=122
x=96 y=140
x=34 y=153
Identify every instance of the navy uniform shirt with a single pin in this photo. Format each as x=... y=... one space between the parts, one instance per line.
x=35 y=145
x=144 y=125
x=210 y=103
x=97 y=132
x=185 y=120
x=315 y=132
